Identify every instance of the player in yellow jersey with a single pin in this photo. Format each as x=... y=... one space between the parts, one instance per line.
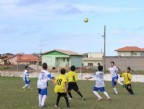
x=72 y=78
x=127 y=80
x=61 y=88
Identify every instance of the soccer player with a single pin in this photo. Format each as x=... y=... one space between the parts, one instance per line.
x=72 y=78
x=61 y=88
x=114 y=74
x=26 y=78
x=42 y=85
x=99 y=85
x=127 y=80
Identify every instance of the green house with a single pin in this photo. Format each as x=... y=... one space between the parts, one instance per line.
x=62 y=58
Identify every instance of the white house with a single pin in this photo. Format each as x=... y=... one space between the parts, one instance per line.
x=92 y=59
x=130 y=51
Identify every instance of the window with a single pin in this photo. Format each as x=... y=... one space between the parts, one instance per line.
x=90 y=64
x=67 y=59
x=63 y=59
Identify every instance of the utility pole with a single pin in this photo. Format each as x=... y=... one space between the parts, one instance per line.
x=104 y=55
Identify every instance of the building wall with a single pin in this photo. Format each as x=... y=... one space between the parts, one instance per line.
x=76 y=60
x=13 y=60
x=55 y=59
x=130 y=54
x=95 y=55
x=136 y=63
x=94 y=62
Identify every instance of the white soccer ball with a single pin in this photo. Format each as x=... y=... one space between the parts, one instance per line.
x=86 y=20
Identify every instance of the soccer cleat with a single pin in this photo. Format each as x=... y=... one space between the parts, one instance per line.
x=70 y=98
x=23 y=88
x=83 y=98
x=110 y=99
x=56 y=106
x=99 y=99
x=69 y=108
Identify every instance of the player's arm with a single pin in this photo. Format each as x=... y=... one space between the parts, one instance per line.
x=88 y=78
x=121 y=74
x=129 y=77
x=51 y=79
x=66 y=85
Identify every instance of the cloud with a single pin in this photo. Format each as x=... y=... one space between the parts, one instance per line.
x=52 y=8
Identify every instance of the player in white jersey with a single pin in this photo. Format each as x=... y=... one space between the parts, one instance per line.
x=42 y=85
x=99 y=85
x=26 y=78
x=114 y=75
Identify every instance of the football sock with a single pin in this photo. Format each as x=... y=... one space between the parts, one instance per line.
x=69 y=93
x=106 y=94
x=96 y=93
x=119 y=82
x=79 y=93
x=25 y=86
x=43 y=100
x=115 y=90
x=67 y=102
x=40 y=99
x=58 y=99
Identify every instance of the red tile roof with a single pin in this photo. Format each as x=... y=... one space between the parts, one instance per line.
x=27 y=58
x=130 y=48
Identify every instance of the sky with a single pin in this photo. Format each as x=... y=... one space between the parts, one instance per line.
x=34 y=26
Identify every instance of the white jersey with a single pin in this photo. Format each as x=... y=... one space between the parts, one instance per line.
x=113 y=71
x=99 y=76
x=25 y=75
x=43 y=78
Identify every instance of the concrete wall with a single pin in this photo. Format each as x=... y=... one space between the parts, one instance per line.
x=136 y=63
x=130 y=53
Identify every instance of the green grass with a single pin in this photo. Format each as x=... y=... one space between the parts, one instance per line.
x=13 y=97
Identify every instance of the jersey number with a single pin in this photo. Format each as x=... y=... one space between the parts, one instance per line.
x=59 y=81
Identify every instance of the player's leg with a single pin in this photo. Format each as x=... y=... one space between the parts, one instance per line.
x=76 y=89
x=58 y=99
x=39 y=97
x=95 y=91
x=114 y=82
x=70 y=86
x=102 y=89
x=25 y=86
x=66 y=99
x=44 y=93
x=129 y=89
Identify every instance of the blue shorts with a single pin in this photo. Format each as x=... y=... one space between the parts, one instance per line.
x=114 y=79
x=27 y=81
x=102 y=89
x=42 y=91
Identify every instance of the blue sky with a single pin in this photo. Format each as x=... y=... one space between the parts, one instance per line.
x=28 y=26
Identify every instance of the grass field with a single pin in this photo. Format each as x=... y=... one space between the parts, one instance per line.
x=13 y=97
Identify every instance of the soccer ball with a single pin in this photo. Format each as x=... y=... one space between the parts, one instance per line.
x=86 y=20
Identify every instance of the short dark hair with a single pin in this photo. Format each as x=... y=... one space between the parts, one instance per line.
x=73 y=68
x=129 y=68
x=98 y=63
x=100 y=68
x=26 y=67
x=44 y=65
x=63 y=71
x=112 y=62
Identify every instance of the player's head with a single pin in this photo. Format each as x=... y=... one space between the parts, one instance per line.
x=63 y=71
x=128 y=69
x=73 y=68
x=26 y=67
x=112 y=63
x=100 y=68
x=44 y=65
x=98 y=64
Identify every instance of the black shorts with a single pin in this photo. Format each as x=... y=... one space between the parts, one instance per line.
x=72 y=86
x=62 y=94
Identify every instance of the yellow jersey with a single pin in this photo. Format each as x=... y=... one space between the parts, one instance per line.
x=60 y=84
x=72 y=76
x=127 y=77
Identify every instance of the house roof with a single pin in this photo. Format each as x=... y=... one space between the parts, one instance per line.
x=130 y=48
x=26 y=58
x=67 y=52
